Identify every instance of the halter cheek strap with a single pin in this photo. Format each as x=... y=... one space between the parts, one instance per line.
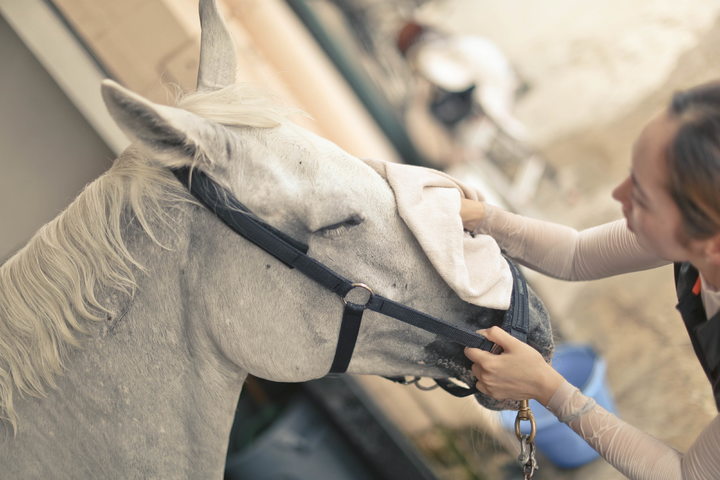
x=349 y=328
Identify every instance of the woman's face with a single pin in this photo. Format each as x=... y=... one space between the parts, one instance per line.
x=646 y=203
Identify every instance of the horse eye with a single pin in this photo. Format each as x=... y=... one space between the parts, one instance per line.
x=337 y=228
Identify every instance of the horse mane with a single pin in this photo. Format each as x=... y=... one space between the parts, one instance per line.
x=48 y=288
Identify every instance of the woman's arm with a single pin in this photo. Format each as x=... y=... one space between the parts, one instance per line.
x=636 y=454
x=559 y=251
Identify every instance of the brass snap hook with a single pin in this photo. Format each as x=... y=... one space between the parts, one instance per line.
x=525 y=414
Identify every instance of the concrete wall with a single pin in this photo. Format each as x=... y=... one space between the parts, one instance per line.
x=48 y=151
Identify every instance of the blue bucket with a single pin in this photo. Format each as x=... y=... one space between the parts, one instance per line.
x=582 y=367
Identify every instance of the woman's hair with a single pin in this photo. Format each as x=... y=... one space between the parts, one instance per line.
x=694 y=159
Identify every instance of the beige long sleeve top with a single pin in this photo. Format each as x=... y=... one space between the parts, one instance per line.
x=602 y=251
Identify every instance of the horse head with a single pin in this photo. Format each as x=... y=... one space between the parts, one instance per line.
x=266 y=318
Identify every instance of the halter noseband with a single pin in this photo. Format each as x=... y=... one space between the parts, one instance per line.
x=294 y=255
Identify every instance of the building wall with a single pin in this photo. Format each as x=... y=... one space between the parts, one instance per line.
x=48 y=150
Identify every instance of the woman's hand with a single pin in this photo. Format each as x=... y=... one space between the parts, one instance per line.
x=471 y=213
x=519 y=373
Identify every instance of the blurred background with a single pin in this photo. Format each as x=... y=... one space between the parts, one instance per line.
x=535 y=103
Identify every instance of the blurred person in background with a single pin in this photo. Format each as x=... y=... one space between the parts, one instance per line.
x=473 y=80
x=671 y=205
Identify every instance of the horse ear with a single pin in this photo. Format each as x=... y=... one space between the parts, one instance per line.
x=217 y=51
x=171 y=133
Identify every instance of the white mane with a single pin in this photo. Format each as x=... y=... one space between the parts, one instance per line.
x=48 y=288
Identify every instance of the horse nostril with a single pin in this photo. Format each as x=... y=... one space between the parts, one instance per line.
x=486 y=317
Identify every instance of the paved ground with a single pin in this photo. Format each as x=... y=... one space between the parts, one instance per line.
x=652 y=372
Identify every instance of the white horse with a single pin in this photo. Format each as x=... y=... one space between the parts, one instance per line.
x=129 y=323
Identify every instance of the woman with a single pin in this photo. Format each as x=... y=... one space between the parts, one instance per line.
x=671 y=204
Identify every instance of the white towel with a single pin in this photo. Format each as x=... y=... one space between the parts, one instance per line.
x=429 y=203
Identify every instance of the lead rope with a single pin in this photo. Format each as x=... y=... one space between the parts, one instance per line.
x=527 y=461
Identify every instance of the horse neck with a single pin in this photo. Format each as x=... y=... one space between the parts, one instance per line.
x=150 y=376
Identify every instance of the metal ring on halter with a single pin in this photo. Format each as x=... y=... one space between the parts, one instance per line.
x=524 y=413
x=364 y=287
x=424 y=388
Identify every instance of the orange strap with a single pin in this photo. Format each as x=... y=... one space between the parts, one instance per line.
x=696 y=287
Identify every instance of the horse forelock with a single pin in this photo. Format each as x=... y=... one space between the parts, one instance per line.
x=48 y=288
x=237 y=105
x=275 y=135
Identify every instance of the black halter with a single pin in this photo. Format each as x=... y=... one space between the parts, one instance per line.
x=294 y=255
